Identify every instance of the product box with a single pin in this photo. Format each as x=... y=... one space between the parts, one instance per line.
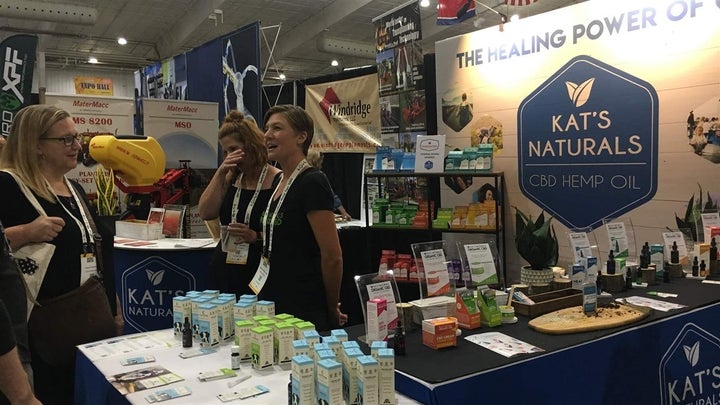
x=300 y=347
x=468 y=315
x=182 y=308
x=350 y=344
x=318 y=347
x=226 y=323
x=265 y=308
x=321 y=355
x=311 y=336
x=228 y=296
x=283 y=335
x=248 y=297
x=386 y=376
x=376 y=319
x=367 y=380
x=195 y=314
x=339 y=334
x=258 y=318
x=301 y=327
x=283 y=317
x=243 y=338
x=243 y=310
x=333 y=343
x=266 y=322
x=433 y=307
x=657 y=256
x=377 y=345
x=212 y=293
x=261 y=347
x=208 y=325
x=329 y=382
x=438 y=333
x=303 y=380
x=138 y=229
x=350 y=374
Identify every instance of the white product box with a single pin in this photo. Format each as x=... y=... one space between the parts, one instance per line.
x=367 y=380
x=208 y=325
x=195 y=314
x=377 y=345
x=301 y=347
x=303 y=380
x=339 y=334
x=283 y=334
x=182 y=308
x=243 y=310
x=243 y=338
x=376 y=319
x=350 y=387
x=226 y=323
x=386 y=376
x=261 y=347
x=329 y=382
x=265 y=308
x=137 y=229
x=311 y=336
x=334 y=344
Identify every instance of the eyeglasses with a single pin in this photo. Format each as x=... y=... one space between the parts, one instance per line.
x=67 y=139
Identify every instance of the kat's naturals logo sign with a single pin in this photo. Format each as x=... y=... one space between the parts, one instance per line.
x=588 y=143
x=335 y=109
x=690 y=369
x=148 y=289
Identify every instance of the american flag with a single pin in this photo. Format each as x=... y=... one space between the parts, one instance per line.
x=519 y=2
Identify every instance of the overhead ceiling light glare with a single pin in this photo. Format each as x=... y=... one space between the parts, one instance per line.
x=92 y=60
x=334 y=62
x=424 y=3
x=122 y=41
x=282 y=76
x=514 y=18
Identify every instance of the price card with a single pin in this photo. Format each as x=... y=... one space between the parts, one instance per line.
x=617 y=237
x=679 y=239
x=436 y=272
x=481 y=263
x=709 y=220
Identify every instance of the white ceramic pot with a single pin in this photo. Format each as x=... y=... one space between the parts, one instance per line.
x=529 y=276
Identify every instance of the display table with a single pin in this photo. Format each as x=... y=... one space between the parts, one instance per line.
x=669 y=357
x=92 y=387
x=149 y=273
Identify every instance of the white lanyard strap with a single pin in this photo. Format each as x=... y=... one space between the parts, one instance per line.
x=238 y=191
x=86 y=230
x=268 y=236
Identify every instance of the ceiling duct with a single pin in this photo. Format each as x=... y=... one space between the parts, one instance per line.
x=53 y=12
x=345 y=47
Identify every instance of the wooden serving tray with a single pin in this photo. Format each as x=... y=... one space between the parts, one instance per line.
x=548 y=302
x=574 y=320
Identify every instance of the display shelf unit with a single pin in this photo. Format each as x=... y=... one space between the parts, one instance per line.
x=412 y=188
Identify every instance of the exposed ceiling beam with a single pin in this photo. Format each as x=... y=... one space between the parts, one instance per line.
x=310 y=28
x=169 y=44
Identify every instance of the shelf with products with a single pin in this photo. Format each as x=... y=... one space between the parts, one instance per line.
x=403 y=208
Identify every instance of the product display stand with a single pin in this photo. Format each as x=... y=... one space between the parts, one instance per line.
x=376 y=285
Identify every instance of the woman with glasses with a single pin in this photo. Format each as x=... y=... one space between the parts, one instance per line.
x=42 y=146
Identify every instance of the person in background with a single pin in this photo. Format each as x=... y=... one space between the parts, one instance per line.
x=238 y=194
x=15 y=369
x=303 y=265
x=315 y=159
x=42 y=146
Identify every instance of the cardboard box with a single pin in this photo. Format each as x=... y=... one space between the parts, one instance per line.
x=438 y=333
x=138 y=229
x=300 y=347
x=468 y=315
x=182 y=308
x=386 y=376
x=367 y=380
x=350 y=374
x=226 y=323
x=265 y=308
x=208 y=325
x=329 y=382
x=243 y=338
x=283 y=334
x=261 y=347
x=243 y=311
x=376 y=319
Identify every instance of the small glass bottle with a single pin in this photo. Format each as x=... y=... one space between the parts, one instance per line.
x=703 y=268
x=611 y=263
x=399 y=339
x=695 y=267
x=235 y=357
x=187 y=333
x=674 y=254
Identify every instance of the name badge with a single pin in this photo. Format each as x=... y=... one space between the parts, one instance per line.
x=261 y=275
x=88 y=266
x=239 y=254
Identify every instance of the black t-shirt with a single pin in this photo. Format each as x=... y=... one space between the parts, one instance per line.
x=295 y=282
x=63 y=274
x=234 y=278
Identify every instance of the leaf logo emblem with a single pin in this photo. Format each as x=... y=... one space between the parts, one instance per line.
x=155 y=277
x=692 y=354
x=579 y=94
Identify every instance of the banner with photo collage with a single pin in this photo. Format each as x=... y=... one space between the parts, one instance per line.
x=400 y=76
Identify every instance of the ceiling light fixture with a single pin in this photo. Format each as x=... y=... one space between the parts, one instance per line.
x=334 y=62
x=92 y=60
x=503 y=17
x=122 y=41
x=282 y=76
x=514 y=18
x=424 y=3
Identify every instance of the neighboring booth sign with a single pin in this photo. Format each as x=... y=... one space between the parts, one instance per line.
x=186 y=130
x=346 y=114
x=589 y=131
x=17 y=66
x=95 y=86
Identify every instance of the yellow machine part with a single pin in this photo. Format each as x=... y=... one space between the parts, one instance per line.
x=137 y=160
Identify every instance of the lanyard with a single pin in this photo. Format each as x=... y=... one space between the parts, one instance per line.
x=85 y=230
x=268 y=236
x=238 y=191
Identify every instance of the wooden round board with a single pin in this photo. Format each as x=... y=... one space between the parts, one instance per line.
x=573 y=320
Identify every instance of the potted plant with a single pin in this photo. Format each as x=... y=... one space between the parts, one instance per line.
x=537 y=243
